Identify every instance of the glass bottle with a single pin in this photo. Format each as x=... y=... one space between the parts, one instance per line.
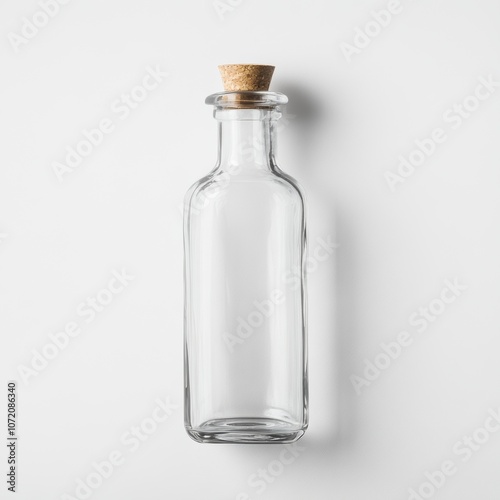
x=245 y=320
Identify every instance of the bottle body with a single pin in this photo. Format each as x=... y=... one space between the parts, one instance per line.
x=245 y=319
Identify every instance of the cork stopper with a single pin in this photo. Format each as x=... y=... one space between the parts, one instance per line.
x=246 y=77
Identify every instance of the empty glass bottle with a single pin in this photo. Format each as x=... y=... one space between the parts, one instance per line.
x=245 y=319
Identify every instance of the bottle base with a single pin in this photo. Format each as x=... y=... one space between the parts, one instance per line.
x=246 y=430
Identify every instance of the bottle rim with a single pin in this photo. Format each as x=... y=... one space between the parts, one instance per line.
x=247 y=99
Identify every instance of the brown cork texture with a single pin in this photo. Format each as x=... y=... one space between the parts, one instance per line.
x=246 y=77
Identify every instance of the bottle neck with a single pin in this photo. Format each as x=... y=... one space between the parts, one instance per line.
x=246 y=139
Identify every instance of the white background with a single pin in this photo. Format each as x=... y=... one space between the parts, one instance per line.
x=348 y=123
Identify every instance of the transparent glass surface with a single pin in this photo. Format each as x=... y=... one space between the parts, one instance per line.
x=245 y=319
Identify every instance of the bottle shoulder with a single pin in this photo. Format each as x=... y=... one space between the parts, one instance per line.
x=290 y=182
x=219 y=180
x=199 y=186
x=246 y=194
